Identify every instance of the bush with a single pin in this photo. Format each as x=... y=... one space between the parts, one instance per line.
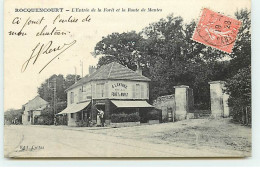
x=46 y=117
x=82 y=123
x=154 y=114
x=120 y=118
x=151 y=114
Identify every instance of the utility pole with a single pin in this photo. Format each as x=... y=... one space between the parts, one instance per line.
x=54 y=88
x=54 y=95
x=75 y=74
x=81 y=64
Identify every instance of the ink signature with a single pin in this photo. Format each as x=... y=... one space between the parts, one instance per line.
x=41 y=49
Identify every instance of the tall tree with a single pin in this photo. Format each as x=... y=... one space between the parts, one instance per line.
x=178 y=60
x=123 y=48
x=46 y=90
x=169 y=57
x=239 y=82
x=241 y=55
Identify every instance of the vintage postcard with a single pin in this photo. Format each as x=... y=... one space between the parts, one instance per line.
x=121 y=78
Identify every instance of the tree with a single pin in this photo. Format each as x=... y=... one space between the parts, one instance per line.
x=70 y=80
x=241 y=56
x=169 y=57
x=46 y=90
x=175 y=59
x=165 y=51
x=239 y=82
x=123 y=48
x=239 y=89
x=11 y=114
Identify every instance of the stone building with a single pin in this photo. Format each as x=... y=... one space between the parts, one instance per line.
x=32 y=110
x=112 y=88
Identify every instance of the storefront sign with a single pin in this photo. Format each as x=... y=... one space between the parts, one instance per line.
x=119 y=90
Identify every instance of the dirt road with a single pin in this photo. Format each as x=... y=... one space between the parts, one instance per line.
x=141 y=141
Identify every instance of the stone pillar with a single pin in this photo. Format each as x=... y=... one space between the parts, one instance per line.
x=181 y=102
x=219 y=106
x=225 y=105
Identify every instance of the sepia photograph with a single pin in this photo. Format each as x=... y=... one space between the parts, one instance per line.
x=127 y=79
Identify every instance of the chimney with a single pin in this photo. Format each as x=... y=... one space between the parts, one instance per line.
x=139 y=70
x=91 y=69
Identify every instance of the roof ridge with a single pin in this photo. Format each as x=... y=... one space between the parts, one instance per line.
x=101 y=69
x=111 y=69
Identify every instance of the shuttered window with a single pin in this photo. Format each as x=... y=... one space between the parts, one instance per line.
x=94 y=90
x=133 y=90
x=100 y=90
x=88 y=92
x=147 y=91
x=142 y=91
x=137 y=91
x=80 y=94
x=106 y=90
x=71 y=97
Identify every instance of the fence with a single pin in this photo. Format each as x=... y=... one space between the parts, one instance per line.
x=242 y=115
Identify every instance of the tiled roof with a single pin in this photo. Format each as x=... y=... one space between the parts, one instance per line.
x=111 y=71
x=36 y=103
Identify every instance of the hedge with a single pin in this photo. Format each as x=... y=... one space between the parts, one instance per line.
x=122 y=117
x=153 y=114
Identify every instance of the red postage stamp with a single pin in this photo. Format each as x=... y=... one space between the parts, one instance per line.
x=216 y=30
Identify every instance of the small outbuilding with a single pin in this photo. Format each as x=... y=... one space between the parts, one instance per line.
x=32 y=110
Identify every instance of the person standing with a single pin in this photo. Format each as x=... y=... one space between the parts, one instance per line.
x=100 y=118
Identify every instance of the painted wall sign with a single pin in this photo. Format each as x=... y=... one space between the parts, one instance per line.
x=116 y=85
x=119 y=90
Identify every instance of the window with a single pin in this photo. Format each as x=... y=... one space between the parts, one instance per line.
x=133 y=91
x=84 y=88
x=142 y=91
x=106 y=90
x=71 y=115
x=87 y=92
x=71 y=97
x=80 y=94
x=137 y=91
x=147 y=89
x=100 y=90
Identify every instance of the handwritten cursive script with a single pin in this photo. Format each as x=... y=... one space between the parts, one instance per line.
x=41 y=49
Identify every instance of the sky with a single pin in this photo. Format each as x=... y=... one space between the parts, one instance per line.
x=20 y=87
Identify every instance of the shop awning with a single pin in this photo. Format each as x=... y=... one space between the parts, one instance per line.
x=131 y=104
x=74 y=108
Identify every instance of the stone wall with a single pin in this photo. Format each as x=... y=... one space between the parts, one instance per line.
x=167 y=105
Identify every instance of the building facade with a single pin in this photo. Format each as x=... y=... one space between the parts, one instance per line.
x=32 y=110
x=112 y=88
